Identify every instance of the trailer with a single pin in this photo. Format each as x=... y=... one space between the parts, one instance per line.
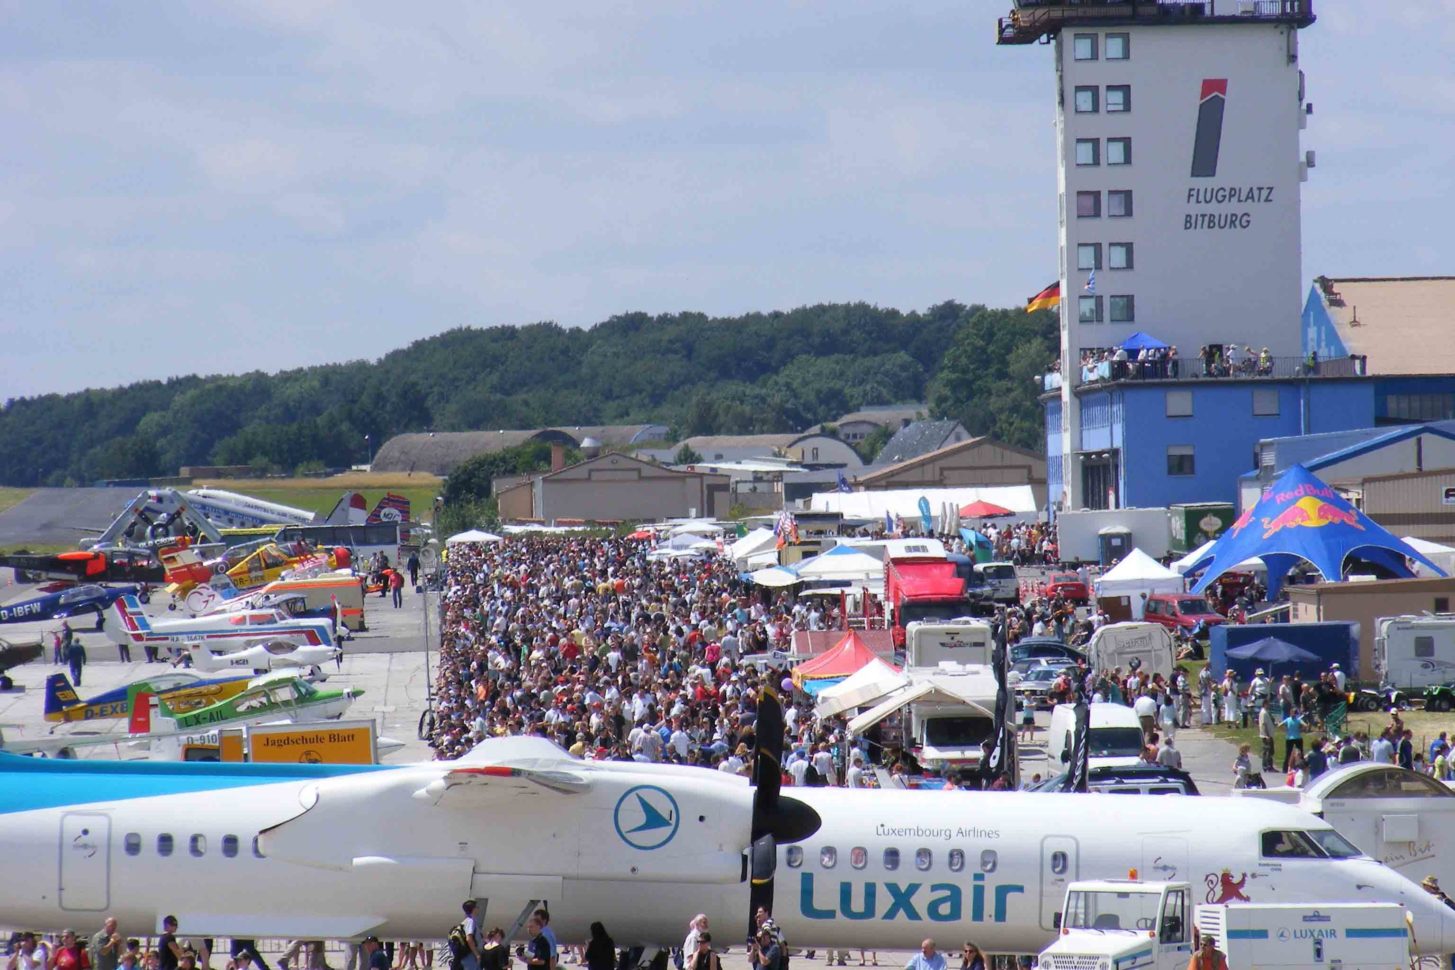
x=1415 y=652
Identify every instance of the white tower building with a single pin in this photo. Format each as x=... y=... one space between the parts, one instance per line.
x=1177 y=133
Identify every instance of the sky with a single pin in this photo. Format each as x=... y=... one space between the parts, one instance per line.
x=224 y=187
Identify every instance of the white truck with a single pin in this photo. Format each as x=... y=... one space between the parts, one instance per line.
x=1415 y=652
x=1118 y=644
x=1106 y=924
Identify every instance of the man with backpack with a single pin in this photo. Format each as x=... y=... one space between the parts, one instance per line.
x=465 y=940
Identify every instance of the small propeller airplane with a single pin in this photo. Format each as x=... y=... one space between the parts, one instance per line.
x=184 y=691
x=65 y=602
x=518 y=823
x=279 y=696
x=15 y=654
x=261 y=657
x=241 y=629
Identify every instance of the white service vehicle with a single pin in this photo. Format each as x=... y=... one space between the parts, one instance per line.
x=1119 y=644
x=1116 y=735
x=1415 y=652
x=1115 y=923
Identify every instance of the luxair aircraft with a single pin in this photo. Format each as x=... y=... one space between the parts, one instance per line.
x=346 y=851
x=236 y=630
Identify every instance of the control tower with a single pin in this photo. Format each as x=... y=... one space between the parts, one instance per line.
x=1178 y=172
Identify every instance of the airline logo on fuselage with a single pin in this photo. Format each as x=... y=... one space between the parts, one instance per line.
x=646 y=817
x=940 y=902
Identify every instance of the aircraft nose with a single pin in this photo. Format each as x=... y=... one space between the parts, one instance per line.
x=1434 y=929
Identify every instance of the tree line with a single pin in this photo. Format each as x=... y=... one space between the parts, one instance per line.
x=757 y=373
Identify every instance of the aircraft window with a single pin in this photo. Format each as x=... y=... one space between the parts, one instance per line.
x=132 y=842
x=253 y=703
x=989 y=859
x=1289 y=845
x=1059 y=863
x=923 y=859
x=957 y=860
x=229 y=846
x=891 y=859
x=279 y=647
x=199 y=845
x=795 y=856
x=258 y=848
x=858 y=857
x=828 y=857
x=1390 y=783
x=164 y=845
x=1334 y=845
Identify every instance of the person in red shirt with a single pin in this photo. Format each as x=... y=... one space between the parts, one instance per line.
x=396 y=587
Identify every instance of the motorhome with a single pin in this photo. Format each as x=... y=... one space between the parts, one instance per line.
x=1415 y=652
x=965 y=642
x=1121 y=645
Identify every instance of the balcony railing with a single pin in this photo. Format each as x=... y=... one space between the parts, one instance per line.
x=1033 y=19
x=1181 y=369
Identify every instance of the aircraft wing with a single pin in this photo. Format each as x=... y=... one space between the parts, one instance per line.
x=15 y=654
x=481 y=784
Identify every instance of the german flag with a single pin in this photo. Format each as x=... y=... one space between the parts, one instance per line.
x=1045 y=299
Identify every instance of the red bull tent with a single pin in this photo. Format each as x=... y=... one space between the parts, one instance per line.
x=1299 y=518
x=832 y=666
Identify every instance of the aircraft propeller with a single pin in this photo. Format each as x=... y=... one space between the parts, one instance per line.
x=775 y=819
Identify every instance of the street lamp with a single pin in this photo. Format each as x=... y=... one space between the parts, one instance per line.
x=368 y=452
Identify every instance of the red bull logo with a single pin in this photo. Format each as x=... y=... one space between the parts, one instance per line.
x=1243 y=520
x=1312 y=512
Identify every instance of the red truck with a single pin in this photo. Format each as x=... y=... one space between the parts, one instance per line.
x=922 y=589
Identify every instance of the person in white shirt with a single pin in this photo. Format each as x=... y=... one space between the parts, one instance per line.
x=823 y=762
x=1169 y=756
x=798 y=768
x=1339 y=678
x=856 y=772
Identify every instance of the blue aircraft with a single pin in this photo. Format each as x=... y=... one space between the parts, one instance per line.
x=67 y=602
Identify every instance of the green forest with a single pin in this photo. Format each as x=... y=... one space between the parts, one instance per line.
x=757 y=373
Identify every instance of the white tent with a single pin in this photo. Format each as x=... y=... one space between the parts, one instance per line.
x=1185 y=563
x=698 y=528
x=1136 y=575
x=864 y=686
x=473 y=535
x=1020 y=499
x=751 y=544
x=775 y=577
x=1441 y=555
x=843 y=564
x=924 y=691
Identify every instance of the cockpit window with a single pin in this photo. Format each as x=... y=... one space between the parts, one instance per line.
x=1316 y=844
x=1335 y=846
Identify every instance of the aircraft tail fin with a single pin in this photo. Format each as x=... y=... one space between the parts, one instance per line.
x=59 y=695
x=351 y=509
x=133 y=620
x=393 y=507
x=140 y=721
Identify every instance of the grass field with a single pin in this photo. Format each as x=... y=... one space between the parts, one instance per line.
x=12 y=496
x=321 y=494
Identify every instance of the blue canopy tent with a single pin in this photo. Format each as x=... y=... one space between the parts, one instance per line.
x=1143 y=341
x=1299 y=518
x=977 y=545
x=1278 y=656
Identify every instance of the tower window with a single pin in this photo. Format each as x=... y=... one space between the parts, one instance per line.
x=1119 y=255
x=1122 y=308
x=1088 y=309
x=1088 y=151
x=1088 y=205
x=1083 y=47
x=1088 y=256
x=1119 y=151
x=1118 y=98
x=1119 y=203
x=1087 y=100
x=1118 y=47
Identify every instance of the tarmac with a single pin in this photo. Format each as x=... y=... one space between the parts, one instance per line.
x=62 y=516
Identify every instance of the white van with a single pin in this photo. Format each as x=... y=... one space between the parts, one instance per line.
x=1001 y=579
x=1415 y=652
x=1118 y=644
x=1116 y=735
x=967 y=642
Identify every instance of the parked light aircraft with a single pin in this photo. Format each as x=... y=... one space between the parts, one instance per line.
x=66 y=602
x=245 y=629
x=279 y=696
x=261 y=657
x=183 y=690
x=351 y=850
x=15 y=654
